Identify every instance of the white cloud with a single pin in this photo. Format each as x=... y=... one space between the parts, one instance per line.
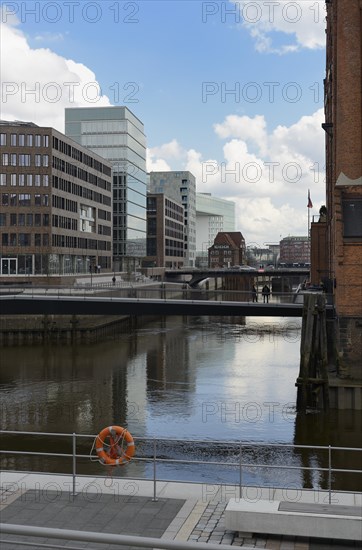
x=37 y=84
x=302 y=22
x=171 y=150
x=266 y=174
x=156 y=164
x=49 y=37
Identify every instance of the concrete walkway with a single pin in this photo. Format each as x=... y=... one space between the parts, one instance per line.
x=182 y=512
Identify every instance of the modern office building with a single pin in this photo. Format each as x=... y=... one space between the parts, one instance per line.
x=213 y=215
x=117 y=135
x=185 y=184
x=294 y=250
x=165 y=231
x=56 y=204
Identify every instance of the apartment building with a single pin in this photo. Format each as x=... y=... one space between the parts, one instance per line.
x=184 y=183
x=295 y=250
x=165 y=231
x=56 y=204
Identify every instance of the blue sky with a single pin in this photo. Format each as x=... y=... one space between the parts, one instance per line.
x=173 y=63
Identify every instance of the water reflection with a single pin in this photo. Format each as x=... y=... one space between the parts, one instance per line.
x=189 y=378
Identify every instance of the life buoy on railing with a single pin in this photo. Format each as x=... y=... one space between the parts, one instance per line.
x=114 y=453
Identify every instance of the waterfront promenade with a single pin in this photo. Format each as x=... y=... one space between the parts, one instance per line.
x=182 y=512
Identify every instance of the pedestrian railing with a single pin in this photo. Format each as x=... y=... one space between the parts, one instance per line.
x=244 y=457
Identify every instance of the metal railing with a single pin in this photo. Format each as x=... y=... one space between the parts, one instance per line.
x=103 y=538
x=156 y=459
x=162 y=291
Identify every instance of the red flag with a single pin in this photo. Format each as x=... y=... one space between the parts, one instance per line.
x=310 y=204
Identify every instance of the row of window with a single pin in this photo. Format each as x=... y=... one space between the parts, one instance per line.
x=75 y=171
x=24 y=140
x=22 y=180
x=14 y=159
x=25 y=239
x=24 y=199
x=78 y=155
x=23 y=220
x=64 y=204
x=79 y=191
x=42 y=239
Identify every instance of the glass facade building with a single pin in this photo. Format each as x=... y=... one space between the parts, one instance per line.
x=213 y=215
x=117 y=135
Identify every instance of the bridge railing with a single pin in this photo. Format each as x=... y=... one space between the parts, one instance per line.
x=244 y=458
x=159 y=291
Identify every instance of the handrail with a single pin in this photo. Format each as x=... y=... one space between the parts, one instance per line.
x=107 y=538
x=241 y=446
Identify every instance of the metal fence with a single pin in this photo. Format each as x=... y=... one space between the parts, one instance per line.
x=156 y=457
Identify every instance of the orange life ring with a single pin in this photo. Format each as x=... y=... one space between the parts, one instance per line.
x=115 y=454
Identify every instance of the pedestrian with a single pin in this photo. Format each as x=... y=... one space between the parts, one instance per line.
x=114 y=279
x=254 y=294
x=266 y=293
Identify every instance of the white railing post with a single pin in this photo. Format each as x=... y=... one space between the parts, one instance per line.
x=154 y=499
x=74 y=460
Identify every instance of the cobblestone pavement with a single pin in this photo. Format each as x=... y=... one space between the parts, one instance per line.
x=211 y=528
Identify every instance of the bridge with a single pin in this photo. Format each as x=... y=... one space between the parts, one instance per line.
x=23 y=304
x=198 y=275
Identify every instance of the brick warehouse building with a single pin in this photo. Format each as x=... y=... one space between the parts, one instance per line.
x=343 y=133
x=55 y=204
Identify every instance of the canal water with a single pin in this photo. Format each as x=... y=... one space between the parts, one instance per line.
x=209 y=382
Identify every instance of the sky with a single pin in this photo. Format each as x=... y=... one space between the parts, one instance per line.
x=230 y=90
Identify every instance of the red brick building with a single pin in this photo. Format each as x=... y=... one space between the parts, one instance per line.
x=228 y=250
x=343 y=132
x=294 y=250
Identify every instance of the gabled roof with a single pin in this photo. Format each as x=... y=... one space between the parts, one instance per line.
x=234 y=239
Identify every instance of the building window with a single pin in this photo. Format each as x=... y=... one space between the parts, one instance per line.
x=45 y=200
x=24 y=199
x=21 y=139
x=352 y=217
x=45 y=160
x=29 y=180
x=37 y=220
x=5 y=239
x=45 y=239
x=24 y=160
x=21 y=180
x=37 y=141
x=13 y=199
x=29 y=220
x=13 y=179
x=29 y=140
x=21 y=219
x=13 y=159
x=5 y=159
x=12 y=219
x=13 y=239
x=2 y=179
x=24 y=239
x=46 y=141
x=45 y=220
x=37 y=160
x=37 y=239
x=2 y=219
x=37 y=200
x=37 y=180
x=13 y=140
x=2 y=139
x=5 y=199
